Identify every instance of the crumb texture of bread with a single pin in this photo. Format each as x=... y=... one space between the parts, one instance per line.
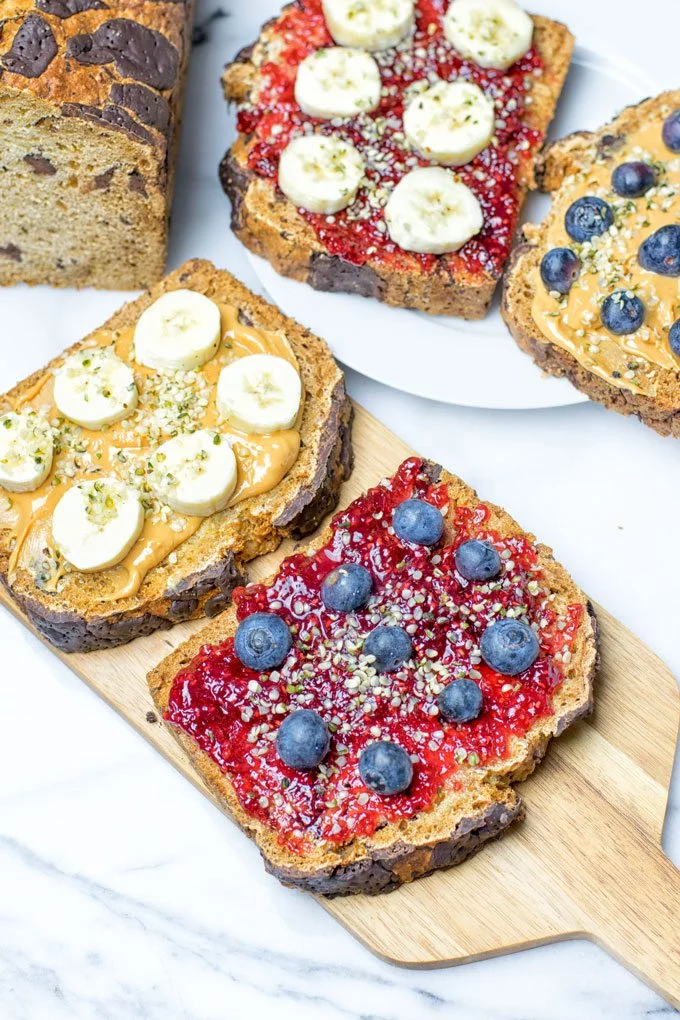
x=648 y=386
x=479 y=805
x=90 y=112
x=198 y=579
x=269 y=225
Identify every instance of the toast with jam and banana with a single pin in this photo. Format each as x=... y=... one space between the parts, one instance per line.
x=385 y=150
x=364 y=713
x=143 y=468
x=594 y=292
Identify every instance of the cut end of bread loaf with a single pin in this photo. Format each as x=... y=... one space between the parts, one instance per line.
x=91 y=110
x=557 y=163
x=199 y=579
x=479 y=807
x=270 y=226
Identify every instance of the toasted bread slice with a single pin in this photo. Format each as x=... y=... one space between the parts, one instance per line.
x=79 y=612
x=265 y=221
x=474 y=800
x=648 y=380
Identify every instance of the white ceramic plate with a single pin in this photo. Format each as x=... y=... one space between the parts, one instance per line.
x=475 y=364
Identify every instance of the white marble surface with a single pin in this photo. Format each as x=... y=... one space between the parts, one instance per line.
x=123 y=893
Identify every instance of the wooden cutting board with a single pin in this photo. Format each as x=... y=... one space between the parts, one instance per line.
x=586 y=863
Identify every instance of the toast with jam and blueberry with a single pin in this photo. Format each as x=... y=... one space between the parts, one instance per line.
x=364 y=713
x=594 y=292
x=385 y=150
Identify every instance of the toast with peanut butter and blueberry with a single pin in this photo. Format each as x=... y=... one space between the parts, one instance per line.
x=141 y=469
x=594 y=292
x=385 y=150
x=364 y=713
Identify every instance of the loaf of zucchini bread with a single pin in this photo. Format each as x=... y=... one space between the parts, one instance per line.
x=90 y=104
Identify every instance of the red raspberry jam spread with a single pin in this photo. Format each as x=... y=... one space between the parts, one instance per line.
x=233 y=713
x=359 y=234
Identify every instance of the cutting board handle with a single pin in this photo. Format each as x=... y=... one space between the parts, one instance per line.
x=640 y=923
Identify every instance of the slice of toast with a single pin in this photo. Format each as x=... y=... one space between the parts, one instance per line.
x=637 y=374
x=324 y=831
x=459 y=284
x=79 y=612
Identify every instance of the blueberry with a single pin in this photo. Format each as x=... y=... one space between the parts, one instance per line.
x=631 y=180
x=391 y=647
x=346 y=588
x=587 y=217
x=385 y=768
x=262 y=641
x=671 y=131
x=302 y=740
x=660 y=253
x=509 y=646
x=560 y=268
x=477 y=561
x=419 y=522
x=674 y=338
x=461 y=701
x=622 y=313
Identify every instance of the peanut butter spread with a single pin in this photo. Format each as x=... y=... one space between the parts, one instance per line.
x=170 y=403
x=610 y=262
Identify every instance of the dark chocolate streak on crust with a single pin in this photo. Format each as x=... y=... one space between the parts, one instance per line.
x=67 y=8
x=555 y=361
x=234 y=182
x=326 y=272
x=111 y=117
x=33 y=48
x=149 y=107
x=72 y=633
x=331 y=273
x=335 y=460
x=386 y=869
x=209 y=591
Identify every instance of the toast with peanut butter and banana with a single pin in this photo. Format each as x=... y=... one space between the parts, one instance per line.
x=141 y=469
x=594 y=292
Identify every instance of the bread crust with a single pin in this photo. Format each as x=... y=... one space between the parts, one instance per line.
x=210 y=564
x=458 y=825
x=268 y=224
x=661 y=413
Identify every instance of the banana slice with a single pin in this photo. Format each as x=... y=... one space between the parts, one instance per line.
x=337 y=82
x=371 y=24
x=450 y=122
x=26 y=449
x=96 y=523
x=493 y=33
x=180 y=331
x=259 y=394
x=95 y=388
x=430 y=211
x=196 y=473
x=321 y=174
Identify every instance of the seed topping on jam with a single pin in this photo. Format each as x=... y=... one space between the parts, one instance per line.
x=272 y=119
x=235 y=713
